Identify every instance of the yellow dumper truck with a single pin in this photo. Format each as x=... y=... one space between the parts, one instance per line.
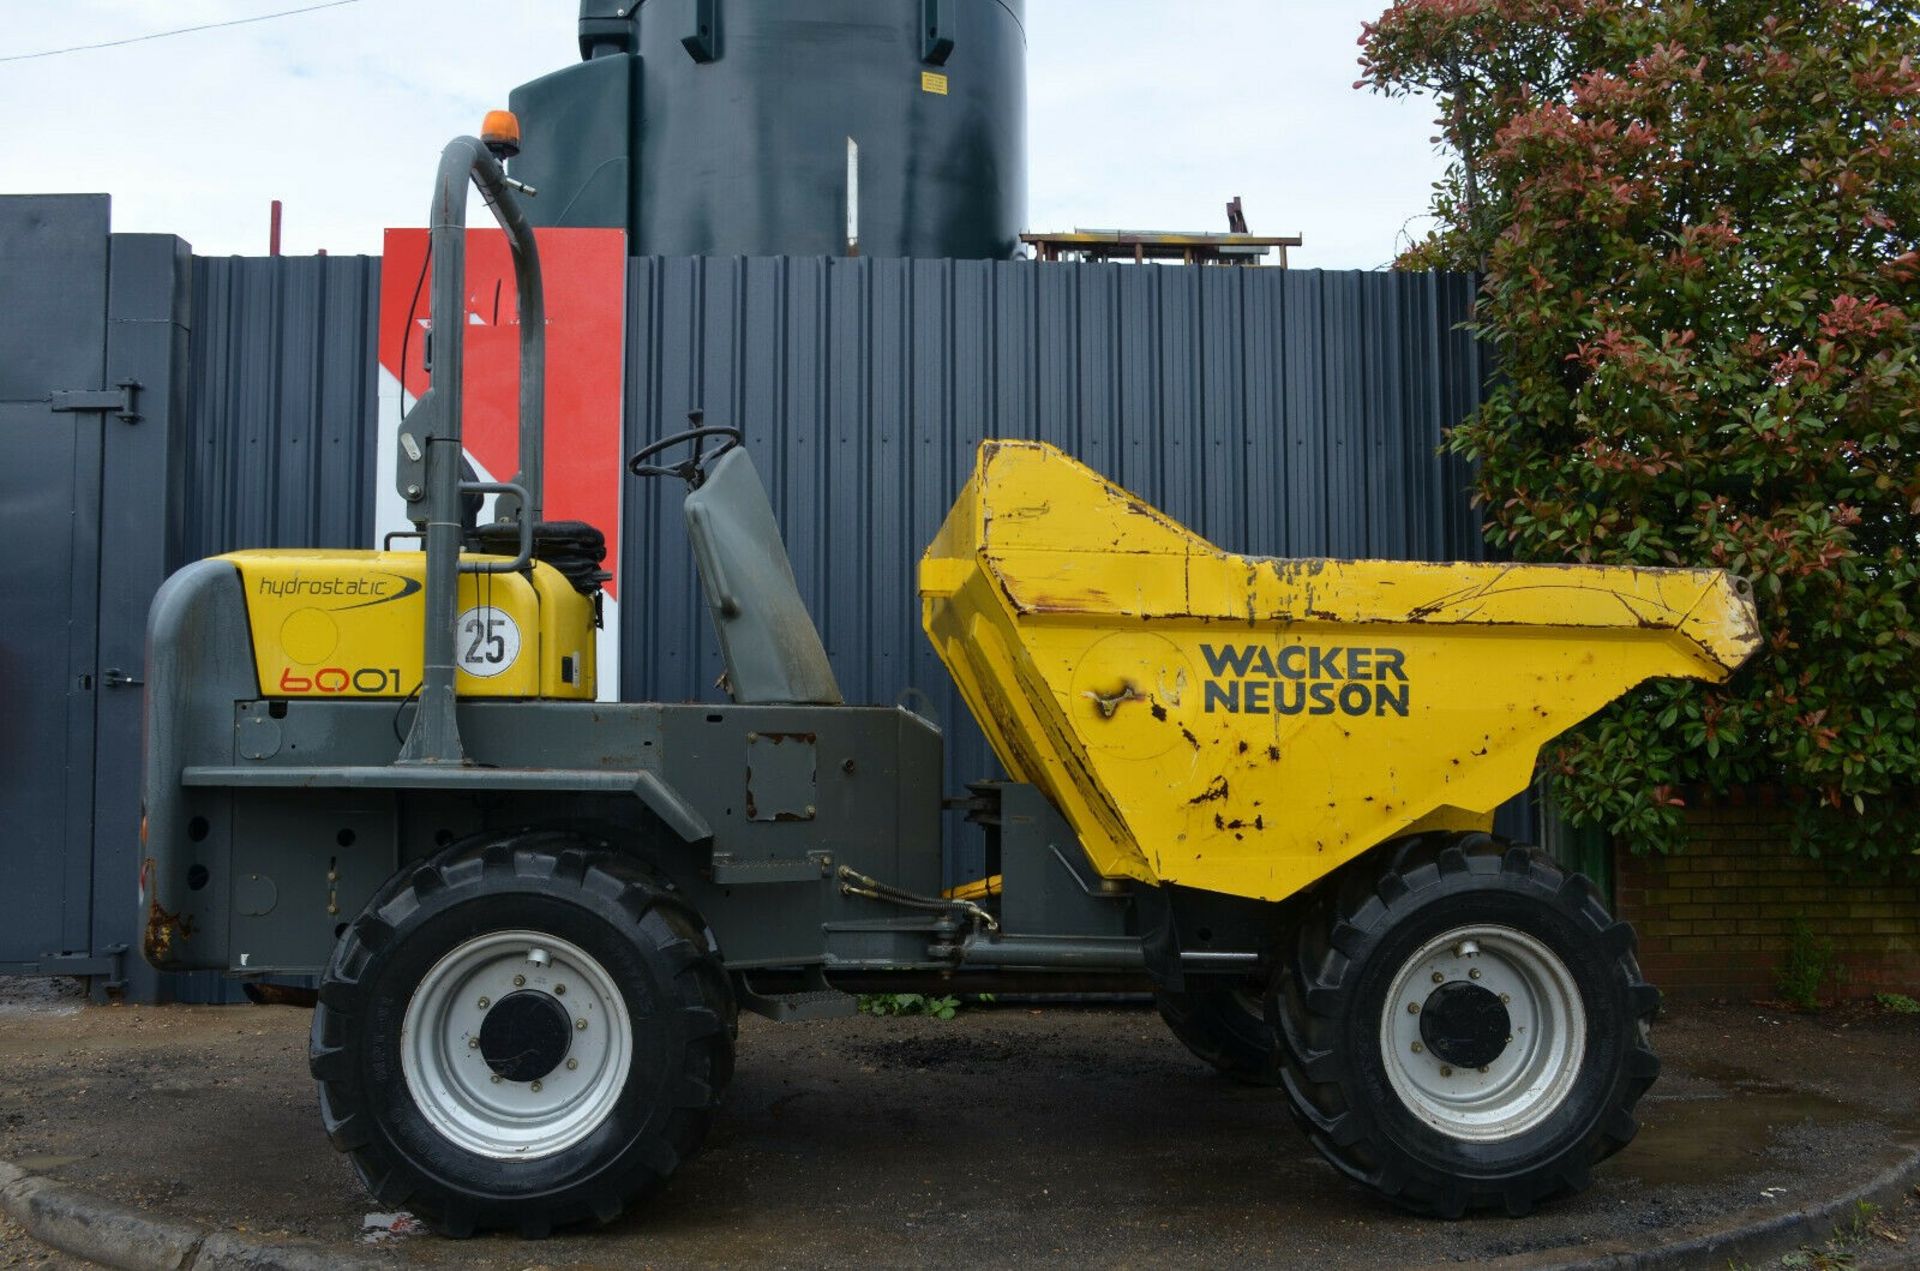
x=1262 y=786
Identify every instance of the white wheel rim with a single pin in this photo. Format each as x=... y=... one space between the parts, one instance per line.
x=459 y=1092
x=1540 y=1064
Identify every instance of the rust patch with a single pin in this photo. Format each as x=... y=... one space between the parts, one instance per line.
x=1216 y=789
x=1159 y=712
x=163 y=928
x=1092 y=600
x=1243 y=747
x=1273 y=754
x=1191 y=739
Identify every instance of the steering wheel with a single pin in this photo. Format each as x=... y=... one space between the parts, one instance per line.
x=692 y=469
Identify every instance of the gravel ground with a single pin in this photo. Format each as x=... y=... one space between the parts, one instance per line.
x=1063 y=1136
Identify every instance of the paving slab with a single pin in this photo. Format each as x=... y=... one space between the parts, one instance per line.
x=1007 y=1136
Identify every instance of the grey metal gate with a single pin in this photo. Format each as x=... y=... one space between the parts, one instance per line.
x=53 y=321
x=93 y=355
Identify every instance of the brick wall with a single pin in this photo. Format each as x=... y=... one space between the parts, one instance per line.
x=1714 y=920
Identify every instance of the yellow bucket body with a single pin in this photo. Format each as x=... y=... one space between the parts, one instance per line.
x=1247 y=724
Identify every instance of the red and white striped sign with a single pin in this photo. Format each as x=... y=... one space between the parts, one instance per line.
x=584 y=272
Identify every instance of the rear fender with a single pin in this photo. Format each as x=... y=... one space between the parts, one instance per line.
x=199 y=663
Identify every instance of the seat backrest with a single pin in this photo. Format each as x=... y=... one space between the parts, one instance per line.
x=772 y=649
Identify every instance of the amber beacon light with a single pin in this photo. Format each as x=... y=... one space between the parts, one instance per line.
x=501 y=133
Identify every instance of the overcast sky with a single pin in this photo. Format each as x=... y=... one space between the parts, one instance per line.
x=1141 y=115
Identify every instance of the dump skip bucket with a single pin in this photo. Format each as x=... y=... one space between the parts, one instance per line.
x=1246 y=724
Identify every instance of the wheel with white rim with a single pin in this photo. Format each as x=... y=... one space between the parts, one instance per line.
x=523 y=1032
x=1492 y=1035
x=1464 y=1026
x=516 y=1045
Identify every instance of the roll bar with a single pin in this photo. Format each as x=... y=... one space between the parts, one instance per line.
x=428 y=471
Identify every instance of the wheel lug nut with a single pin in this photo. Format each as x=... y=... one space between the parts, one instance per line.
x=1418 y=1048
x=1439 y=978
x=485 y=1002
x=1413 y=1008
x=496 y=1078
x=580 y=1024
x=1504 y=998
x=535 y=1087
x=572 y=1064
x=1483 y=1067
x=519 y=981
x=1446 y=1070
x=1474 y=974
x=473 y=1043
x=560 y=990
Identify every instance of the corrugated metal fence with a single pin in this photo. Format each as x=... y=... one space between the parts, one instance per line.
x=280 y=427
x=1283 y=413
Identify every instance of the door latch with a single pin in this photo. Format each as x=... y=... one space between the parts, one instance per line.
x=122 y=401
x=113 y=677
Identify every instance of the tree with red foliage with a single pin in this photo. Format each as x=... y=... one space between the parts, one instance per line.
x=1699 y=230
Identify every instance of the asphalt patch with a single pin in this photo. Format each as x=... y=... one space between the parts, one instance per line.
x=1063 y=1137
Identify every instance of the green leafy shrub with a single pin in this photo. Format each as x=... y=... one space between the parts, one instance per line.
x=909 y=1004
x=1809 y=964
x=1898 y=1003
x=1699 y=228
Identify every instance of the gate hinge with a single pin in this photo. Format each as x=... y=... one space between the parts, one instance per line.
x=122 y=400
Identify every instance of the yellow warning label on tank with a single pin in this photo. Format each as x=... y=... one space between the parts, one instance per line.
x=933 y=82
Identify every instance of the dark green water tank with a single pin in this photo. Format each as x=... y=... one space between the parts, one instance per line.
x=720 y=127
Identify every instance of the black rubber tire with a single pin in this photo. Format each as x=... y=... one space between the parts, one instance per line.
x=658 y=953
x=1220 y=1025
x=1327 y=1004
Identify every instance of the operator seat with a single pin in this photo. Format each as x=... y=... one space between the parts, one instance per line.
x=772 y=650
